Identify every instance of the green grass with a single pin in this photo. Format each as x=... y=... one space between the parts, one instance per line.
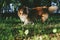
x=11 y=29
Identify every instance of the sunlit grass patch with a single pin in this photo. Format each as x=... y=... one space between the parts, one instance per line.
x=11 y=28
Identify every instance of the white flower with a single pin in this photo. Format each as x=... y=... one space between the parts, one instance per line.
x=54 y=30
x=26 y=32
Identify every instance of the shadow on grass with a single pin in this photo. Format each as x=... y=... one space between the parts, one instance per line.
x=54 y=21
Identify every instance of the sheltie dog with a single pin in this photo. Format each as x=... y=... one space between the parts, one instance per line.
x=27 y=16
x=23 y=14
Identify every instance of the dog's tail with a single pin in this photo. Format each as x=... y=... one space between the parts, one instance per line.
x=52 y=8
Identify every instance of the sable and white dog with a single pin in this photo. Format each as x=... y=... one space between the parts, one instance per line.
x=26 y=16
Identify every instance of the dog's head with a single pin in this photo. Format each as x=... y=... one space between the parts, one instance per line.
x=23 y=10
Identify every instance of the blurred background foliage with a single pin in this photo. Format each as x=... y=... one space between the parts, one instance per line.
x=5 y=4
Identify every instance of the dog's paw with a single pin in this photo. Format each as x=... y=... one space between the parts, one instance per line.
x=23 y=25
x=32 y=23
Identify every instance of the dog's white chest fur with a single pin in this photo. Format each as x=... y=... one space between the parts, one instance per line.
x=23 y=17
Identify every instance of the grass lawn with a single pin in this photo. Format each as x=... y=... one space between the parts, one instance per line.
x=11 y=29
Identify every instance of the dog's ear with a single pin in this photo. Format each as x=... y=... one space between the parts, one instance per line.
x=24 y=11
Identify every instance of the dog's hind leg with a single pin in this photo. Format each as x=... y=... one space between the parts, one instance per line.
x=44 y=17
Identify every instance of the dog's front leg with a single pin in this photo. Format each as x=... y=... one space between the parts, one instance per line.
x=26 y=22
